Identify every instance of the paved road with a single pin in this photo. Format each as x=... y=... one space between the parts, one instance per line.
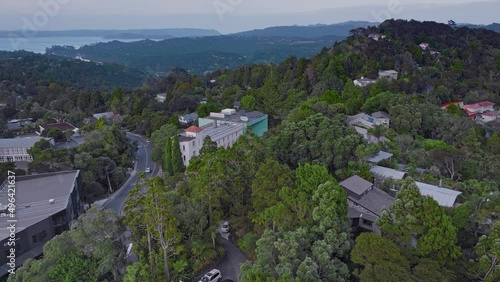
x=230 y=266
x=144 y=159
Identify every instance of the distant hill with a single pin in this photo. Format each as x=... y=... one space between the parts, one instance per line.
x=311 y=31
x=199 y=54
x=26 y=68
x=122 y=34
x=494 y=26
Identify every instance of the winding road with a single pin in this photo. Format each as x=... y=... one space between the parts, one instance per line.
x=144 y=159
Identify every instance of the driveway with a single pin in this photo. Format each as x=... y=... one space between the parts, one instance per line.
x=230 y=266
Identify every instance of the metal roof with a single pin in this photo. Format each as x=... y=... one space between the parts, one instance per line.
x=33 y=193
x=25 y=142
x=356 y=184
x=380 y=156
x=444 y=197
x=385 y=172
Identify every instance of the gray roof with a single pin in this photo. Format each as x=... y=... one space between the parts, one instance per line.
x=375 y=200
x=251 y=116
x=25 y=142
x=360 y=212
x=33 y=193
x=385 y=172
x=380 y=115
x=380 y=156
x=356 y=184
x=104 y=115
x=191 y=116
x=444 y=197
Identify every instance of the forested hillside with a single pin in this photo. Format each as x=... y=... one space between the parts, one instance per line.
x=281 y=193
x=28 y=69
x=198 y=55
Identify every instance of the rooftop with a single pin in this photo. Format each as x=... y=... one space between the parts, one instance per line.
x=444 y=197
x=446 y=105
x=193 y=128
x=191 y=116
x=356 y=185
x=479 y=105
x=491 y=114
x=63 y=126
x=380 y=115
x=387 y=72
x=385 y=172
x=233 y=116
x=104 y=115
x=375 y=201
x=380 y=156
x=25 y=142
x=213 y=132
x=33 y=193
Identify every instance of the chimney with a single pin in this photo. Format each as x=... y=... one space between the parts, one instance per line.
x=215 y=123
x=440 y=182
x=51 y=201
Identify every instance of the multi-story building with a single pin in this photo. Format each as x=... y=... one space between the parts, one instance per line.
x=256 y=120
x=45 y=206
x=16 y=149
x=224 y=135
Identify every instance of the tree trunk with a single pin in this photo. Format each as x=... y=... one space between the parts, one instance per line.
x=165 y=258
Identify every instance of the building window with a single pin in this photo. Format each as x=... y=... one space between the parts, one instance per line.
x=194 y=153
x=184 y=158
x=35 y=238
x=184 y=147
x=194 y=143
x=42 y=235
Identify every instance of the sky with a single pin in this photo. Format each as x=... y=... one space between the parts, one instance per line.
x=229 y=16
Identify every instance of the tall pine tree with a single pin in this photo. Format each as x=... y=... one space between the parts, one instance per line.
x=167 y=159
x=176 y=157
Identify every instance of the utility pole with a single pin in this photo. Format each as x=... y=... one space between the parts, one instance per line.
x=109 y=182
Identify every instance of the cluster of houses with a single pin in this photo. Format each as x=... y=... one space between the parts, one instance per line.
x=481 y=112
x=223 y=128
x=384 y=74
x=366 y=200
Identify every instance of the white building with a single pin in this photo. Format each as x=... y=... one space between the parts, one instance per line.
x=383 y=118
x=16 y=149
x=191 y=141
x=388 y=74
x=363 y=81
x=161 y=97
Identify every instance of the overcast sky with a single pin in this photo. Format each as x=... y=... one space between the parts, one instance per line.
x=232 y=15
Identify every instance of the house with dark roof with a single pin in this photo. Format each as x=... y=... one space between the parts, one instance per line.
x=365 y=202
x=45 y=206
x=63 y=126
x=256 y=120
x=188 y=119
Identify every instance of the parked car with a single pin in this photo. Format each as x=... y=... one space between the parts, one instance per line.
x=213 y=276
x=148 y=170
x=224 y=227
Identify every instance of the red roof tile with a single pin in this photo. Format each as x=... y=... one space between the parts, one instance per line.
x=193 y=128
x=479 y=105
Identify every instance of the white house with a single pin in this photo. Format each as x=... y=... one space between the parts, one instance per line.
x=188 y=119
x=362 y=120
x=191 y=141
x=16 y=149
x=388 y=74
x=488 y=116
x=161 y=97
x=479 y=108
x=363 y=81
